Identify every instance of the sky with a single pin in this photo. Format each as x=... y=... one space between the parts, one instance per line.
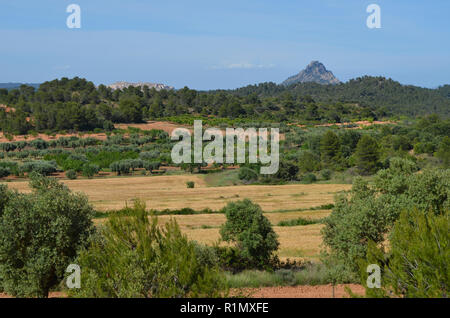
x=209 y=44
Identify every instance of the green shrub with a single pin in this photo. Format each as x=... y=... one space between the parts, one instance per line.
x=71 y=174
x=369 y=211
x=417 y=263
x=251 y=231
x=190 y=184
x=326 y=174
x=89 y=170
x=298 y=221
x=247 y=174
x=41 y=233
x=134 y=257
x=309 y=178
x=4 y=172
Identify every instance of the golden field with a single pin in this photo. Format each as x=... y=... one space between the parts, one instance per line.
x=170 y=192
x=280 y=202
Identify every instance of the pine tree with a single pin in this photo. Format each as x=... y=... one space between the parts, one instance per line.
x=330 y=149
x=367 y=155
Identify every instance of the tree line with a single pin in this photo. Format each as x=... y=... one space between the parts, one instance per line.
x=77 y=104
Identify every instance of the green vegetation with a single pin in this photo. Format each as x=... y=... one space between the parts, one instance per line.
x=417 y=262
x=190 y=184
x=298 y=221
x=76 y=104
x=369 y=211
x=40 y=235
x=251 y=231
x=133 y=257
x=307 y=274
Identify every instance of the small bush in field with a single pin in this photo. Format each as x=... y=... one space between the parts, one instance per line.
x=326 y=174
x=89 y=170
x=4 y=172
x=309 y=178
x=251 y=231
x=190 y=184
x=71 y=174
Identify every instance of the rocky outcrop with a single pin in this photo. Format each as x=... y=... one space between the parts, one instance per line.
x=314 y=72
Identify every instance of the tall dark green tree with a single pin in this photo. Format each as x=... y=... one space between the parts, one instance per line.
x=367 y=155
x=330 y=149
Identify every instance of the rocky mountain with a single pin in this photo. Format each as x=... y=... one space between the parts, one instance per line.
x=158 y=87
x=314 y=72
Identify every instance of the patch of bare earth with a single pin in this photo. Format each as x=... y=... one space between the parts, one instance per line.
x=51 y=295
x=319 y=291
x=357 y=124
x=168 y=127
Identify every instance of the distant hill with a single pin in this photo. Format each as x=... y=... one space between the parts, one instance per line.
x=376 y=92
x=314 y=72
x=9 y=86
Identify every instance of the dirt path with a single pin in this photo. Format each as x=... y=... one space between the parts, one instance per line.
x=319 y=291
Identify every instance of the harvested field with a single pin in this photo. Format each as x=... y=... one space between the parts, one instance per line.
x=198 y=221
x=170 y=192
x=296 y=242
x=161 y=192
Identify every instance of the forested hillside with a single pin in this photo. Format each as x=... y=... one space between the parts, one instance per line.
x=385 y=95
x=77 y=104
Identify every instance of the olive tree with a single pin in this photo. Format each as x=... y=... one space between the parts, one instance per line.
x=40 y=234
x=251 y=231
x=370 y=210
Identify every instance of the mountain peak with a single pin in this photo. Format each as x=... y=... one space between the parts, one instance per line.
x=314 y=72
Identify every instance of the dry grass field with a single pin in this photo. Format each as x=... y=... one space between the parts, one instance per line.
x=296 y=242
x=170 y=192
x=280 y=202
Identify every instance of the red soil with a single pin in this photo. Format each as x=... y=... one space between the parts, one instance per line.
x=319 y=291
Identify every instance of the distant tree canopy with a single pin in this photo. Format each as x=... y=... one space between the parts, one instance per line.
x=77 y=104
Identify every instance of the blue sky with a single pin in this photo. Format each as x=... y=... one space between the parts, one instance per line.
x=223 y=44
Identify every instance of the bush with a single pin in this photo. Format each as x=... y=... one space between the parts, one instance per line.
x=4 y=172
x=368 y=212
x=326 y=174
x=190 y=184
x=417 y=264
x=89 y=170
x=71 y=174
x=41 y=233
x=298 y=221
x=247 y=174
x=134 y=257
x=309 y=178
x=250 y=230
x=41 y=167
